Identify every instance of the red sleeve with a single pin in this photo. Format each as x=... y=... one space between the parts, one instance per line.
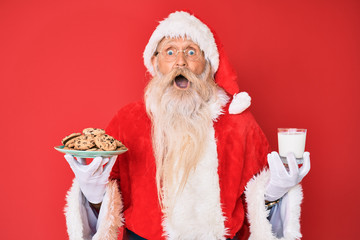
x=256 y=150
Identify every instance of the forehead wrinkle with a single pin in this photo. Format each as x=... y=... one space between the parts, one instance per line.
x=173 y=42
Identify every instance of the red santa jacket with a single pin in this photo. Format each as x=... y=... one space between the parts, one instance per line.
x=241 y=149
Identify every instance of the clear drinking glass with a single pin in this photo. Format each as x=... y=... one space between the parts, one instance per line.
x=292 y=140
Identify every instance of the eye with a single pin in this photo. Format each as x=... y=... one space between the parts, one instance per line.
x=170 y=52
x=191 y=52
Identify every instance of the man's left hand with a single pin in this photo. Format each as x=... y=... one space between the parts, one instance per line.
x=282 y=180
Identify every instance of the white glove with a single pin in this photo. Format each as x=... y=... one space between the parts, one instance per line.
x=281 y=180
x=92 y=178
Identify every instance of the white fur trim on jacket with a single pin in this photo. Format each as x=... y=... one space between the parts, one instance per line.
x=260 y=227
x=182 y=24
x=197 y=212
x=110 y=216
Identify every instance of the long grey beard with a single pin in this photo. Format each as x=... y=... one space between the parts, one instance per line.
x=181 y=121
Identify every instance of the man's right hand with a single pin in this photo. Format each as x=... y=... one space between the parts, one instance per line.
x=92 y=178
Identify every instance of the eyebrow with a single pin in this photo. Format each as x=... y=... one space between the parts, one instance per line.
x=168 y=40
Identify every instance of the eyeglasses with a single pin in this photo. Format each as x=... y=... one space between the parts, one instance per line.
x=170 y=54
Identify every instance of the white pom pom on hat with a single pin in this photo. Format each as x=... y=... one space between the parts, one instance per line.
x=183 y=24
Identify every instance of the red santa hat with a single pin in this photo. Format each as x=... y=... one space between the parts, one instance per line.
x=182 y=24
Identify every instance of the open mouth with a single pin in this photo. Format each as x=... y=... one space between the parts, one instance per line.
x=181 y=82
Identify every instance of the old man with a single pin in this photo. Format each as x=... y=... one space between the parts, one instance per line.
x=198 y=165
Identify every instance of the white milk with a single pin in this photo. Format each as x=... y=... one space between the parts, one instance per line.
x=291 y=141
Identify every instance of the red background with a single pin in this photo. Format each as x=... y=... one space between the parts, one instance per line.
x=67 y=65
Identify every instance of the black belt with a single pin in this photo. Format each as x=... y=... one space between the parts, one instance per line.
x=129 y=235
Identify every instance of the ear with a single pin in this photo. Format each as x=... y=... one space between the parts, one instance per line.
x=153 y=63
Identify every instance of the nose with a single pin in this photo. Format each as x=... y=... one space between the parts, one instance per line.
x=180 y=60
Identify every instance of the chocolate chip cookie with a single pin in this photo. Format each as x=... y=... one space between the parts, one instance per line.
x=69 y=137
x=93 y=132
x=105 y=142
x=84 y=142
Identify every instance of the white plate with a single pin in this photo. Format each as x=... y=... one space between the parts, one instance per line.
x=89 y=154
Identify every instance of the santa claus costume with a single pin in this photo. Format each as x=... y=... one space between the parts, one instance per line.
x=224 y=195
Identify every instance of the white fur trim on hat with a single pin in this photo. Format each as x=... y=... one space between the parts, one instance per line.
x=182 y=24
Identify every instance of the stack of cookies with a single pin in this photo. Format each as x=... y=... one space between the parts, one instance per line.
x=92 y=139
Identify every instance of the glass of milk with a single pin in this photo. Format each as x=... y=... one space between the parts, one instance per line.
x=291 y=140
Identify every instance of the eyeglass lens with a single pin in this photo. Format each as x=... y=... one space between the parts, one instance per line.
x=171 y=53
